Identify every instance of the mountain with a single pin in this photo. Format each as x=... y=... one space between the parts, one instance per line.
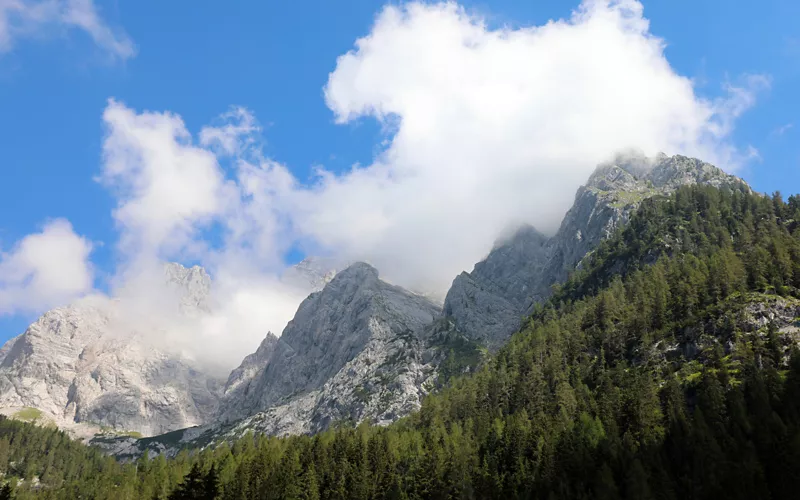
x=330 y=362
x=241 y=377
x=332 y=365
x=667 y=366
x=361 y=349
x=87 y=368
x=488 y=303
x=82 y=371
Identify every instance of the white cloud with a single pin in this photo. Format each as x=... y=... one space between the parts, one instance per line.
x=486 y=129
x=26 y=18
x=499 y=126
x=166 y=187
x=235 y=133
x=175 y=201
x=45 y=270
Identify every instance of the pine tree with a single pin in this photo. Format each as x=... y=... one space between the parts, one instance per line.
x=193 y=486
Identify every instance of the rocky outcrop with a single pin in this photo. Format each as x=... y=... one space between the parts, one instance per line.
x=79 y=365
x=745 y=323
x=488 y=303
x=191 y=286
x=340 y=342
x=252 y=364
x=66 y=366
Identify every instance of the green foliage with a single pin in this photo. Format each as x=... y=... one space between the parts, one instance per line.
x=461 y=355
x=198 y=485
x=639 y=379
x=28 y=414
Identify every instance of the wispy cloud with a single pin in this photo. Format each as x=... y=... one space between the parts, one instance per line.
x=25 y=19
x=779 y=131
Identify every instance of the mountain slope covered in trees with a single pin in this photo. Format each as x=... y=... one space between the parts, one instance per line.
x=665 y=368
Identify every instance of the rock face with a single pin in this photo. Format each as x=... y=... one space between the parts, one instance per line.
x=88 y=369
x=75 y=365
x=191 y=286
x=355 y=350
x=240 y=378
x=487 y=304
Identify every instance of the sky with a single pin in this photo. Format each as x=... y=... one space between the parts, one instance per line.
x=245 y=136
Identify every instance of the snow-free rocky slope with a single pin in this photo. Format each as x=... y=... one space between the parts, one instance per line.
x=333 y=358
x=488 y=303
x=83 y=373
x=87 y=370
x=360 y=349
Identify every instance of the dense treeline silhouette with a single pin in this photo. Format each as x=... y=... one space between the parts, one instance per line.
x=648 y=375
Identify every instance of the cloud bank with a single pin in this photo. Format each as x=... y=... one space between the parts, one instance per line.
x=486 y=128
x=27 y=19
x=497 y=127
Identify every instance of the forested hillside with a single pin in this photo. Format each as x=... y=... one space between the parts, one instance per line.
x=666 y=368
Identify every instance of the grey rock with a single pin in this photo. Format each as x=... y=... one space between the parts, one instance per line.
x=250 y=366
x=88 y=371
x=192 y=286
x=487 y=304
x=77 y=366
x=339 y=340
x=66 y=365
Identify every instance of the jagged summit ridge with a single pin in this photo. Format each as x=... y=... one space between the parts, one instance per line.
x=252 y=363
x=333 y=351
x=315 y=272
x=192 y=284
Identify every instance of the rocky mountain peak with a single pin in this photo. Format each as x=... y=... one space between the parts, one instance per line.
x=358 y=274
x=488 y=303
x=672 y=172
x=251 y=364
x=633 y=172
x=81 y=374
x=355 y=315
x=191 y=286
x=612 y=177
x=187 y=277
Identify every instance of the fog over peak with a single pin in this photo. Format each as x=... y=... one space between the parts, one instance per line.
x=487 y=129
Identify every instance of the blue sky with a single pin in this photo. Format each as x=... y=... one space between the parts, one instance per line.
x=196 y=59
